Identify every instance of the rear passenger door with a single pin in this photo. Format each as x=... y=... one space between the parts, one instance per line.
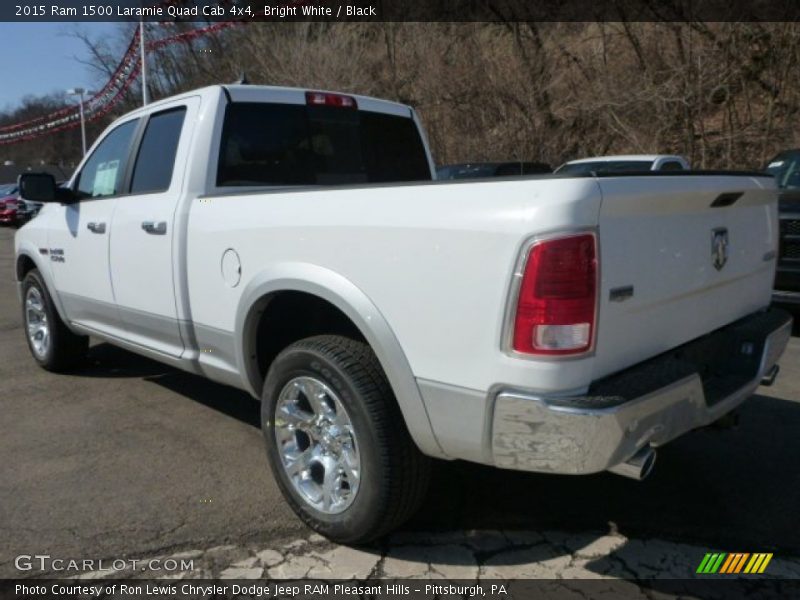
x=145 y=243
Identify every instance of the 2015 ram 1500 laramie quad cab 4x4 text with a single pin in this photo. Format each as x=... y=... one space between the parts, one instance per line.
x=286 y=242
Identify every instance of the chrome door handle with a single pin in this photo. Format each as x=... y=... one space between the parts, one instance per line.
x=155 y=228
x=96 y=227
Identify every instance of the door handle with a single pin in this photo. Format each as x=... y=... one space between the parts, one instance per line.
x=155 y=228
x=96 y=227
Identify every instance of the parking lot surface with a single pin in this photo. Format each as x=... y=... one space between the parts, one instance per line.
x=129 y=458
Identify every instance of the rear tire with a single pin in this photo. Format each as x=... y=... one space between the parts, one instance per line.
x=338 y=447
x=53 y=346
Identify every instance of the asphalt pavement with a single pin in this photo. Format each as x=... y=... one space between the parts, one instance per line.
x=131 y=458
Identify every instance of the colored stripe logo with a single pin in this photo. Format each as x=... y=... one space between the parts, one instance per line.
x=734 y=563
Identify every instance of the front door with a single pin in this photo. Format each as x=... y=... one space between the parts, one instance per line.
x=78 y=238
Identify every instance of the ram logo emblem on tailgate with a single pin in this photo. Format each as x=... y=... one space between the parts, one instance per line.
x=719 y=247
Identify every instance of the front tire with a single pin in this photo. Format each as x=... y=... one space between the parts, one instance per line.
x=53 y=346
x=337 y=443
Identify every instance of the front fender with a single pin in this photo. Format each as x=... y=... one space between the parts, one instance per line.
x=30 y=250
x=353 y=302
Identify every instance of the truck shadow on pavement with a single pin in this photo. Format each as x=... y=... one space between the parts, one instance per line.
x=110 y=362
x=107 y=361
x=733 y=490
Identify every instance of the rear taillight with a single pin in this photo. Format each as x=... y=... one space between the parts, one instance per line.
x=556 y=307
x=327 y=99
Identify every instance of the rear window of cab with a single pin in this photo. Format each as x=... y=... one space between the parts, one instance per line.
x=268 y=144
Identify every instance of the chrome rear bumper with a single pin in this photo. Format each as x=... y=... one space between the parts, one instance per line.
x=593 y=433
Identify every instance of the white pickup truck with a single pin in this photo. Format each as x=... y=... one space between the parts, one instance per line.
x=259 y=237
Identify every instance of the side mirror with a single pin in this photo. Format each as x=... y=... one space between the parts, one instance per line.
x=41 y=187
x=38 y=187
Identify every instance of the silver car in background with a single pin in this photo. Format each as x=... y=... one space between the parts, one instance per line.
x=625 y=163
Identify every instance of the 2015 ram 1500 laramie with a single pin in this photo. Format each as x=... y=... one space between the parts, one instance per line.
x=285 y=242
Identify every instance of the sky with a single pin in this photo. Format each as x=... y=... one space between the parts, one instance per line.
x=40 y=58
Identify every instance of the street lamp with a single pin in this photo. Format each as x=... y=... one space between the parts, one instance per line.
x=80 y=92
x=143 y=51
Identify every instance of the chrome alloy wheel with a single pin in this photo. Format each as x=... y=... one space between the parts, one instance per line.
x=317 y=445
x=36 y=322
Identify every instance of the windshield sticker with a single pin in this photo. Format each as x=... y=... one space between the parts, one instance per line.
x=105 y=180
x=777 y=163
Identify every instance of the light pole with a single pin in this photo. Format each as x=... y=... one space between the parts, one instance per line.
x=80 y=92
x=143 y=50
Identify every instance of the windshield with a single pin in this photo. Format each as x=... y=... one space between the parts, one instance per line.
x=290 y=144
x=786 y=169
x=606 y=166
x=8 y=189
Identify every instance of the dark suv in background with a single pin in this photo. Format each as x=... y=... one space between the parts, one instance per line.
x=491 y=169
x=786 y=169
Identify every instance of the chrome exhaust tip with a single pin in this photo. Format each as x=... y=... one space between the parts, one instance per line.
x=638 y=466
x=769 y=376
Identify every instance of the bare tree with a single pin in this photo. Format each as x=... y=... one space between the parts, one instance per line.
x=723 y=94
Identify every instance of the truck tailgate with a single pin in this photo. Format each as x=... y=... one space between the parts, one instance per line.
x=680 y=256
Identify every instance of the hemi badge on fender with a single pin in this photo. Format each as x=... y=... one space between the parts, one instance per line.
x=621 y=294
x=44 y=251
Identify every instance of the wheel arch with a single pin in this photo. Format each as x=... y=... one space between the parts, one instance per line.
x=353 y=303
x=29 y=258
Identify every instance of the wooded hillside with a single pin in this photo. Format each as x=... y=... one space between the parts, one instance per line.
x=725 y=95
